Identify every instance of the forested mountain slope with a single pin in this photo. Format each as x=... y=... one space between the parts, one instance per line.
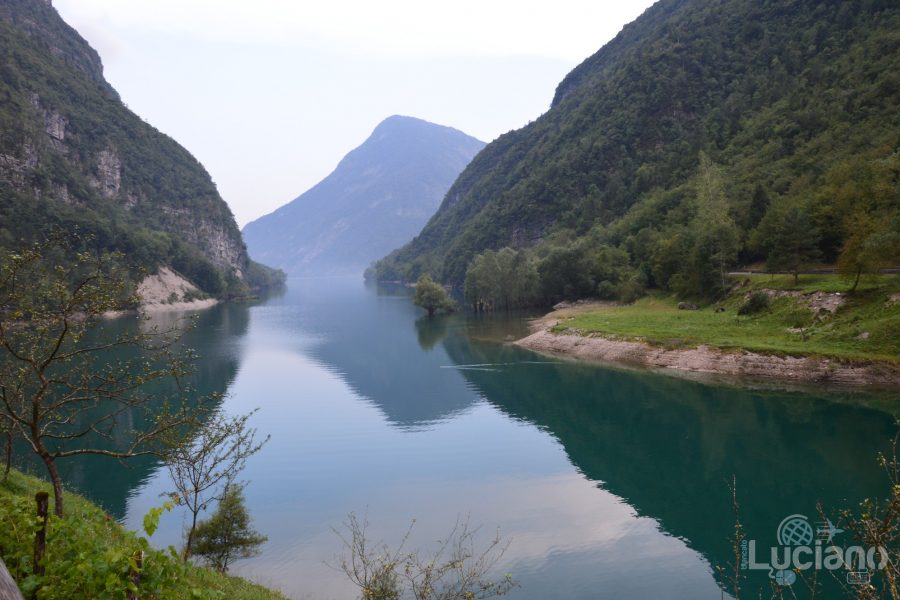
x=73 y=157
x=378 y=197
x=796 y=103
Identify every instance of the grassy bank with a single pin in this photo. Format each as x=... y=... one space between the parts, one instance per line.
x=866 y=327
x=90 y=555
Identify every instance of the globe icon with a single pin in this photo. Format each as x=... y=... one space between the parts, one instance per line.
x=795 y=530
x=785 y=577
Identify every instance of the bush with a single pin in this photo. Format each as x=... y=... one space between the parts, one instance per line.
x=432 y=296
x=630 y=290
x=756 y=303
x=88 y=554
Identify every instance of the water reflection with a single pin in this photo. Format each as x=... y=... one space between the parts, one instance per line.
x=610 y=483
x=215 y=336
x=670 y=447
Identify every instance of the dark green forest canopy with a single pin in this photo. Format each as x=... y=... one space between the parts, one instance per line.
x=73 y=157
x=796 y=102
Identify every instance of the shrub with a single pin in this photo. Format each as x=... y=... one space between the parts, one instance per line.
x=756 y=303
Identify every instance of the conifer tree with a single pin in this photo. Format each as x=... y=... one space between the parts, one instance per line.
x=227 y=535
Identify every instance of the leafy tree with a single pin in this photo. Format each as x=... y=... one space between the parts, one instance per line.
x=59 y=390
x=758 y=206
x=794 y=243
x=208 y=463
x=870 y=245
x=482 y=284
x=615 y=276
x=227 y=535
x=713 y=238
x=432 y=296
x=506 y=279
x=565 y=274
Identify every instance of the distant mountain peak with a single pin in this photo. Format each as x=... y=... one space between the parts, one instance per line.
x=379 y=196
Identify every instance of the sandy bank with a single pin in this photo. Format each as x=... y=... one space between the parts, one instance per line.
x=705 y=359
x=168 y=291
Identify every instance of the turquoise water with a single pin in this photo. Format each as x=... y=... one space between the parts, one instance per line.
x=607 y=483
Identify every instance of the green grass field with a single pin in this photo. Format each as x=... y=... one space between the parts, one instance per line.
x=787 y=327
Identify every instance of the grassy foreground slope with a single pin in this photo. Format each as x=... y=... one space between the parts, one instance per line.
x=866 y=327
x=90 y=555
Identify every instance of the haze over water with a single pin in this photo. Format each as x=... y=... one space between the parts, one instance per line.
x=607 y=483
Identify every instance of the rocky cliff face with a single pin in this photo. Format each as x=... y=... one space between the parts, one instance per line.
x=73 y=156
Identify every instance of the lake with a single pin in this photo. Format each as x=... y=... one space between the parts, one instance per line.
x=607 y=483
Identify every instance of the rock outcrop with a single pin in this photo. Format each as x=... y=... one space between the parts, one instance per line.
x=72 y=155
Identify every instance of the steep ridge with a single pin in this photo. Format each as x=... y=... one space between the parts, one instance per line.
x=794 y=99
x=74 y=157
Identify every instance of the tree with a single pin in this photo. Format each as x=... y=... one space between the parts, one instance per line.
x=455 y=570
x=505 y=279
x=712 y=239
x=208 y=463
x=432 y=296
x=794 y=243
x=565 y=274
x=7 y=428
x=227 y=535
x=65 y=383
x=870 y=244
x=482 y=284
x=759 y=204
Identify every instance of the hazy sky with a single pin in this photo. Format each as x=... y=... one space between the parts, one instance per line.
x=269 y=95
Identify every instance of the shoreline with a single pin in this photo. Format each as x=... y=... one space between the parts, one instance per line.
x=155 y=308
x=704 y=359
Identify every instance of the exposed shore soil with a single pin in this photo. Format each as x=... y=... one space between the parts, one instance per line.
x=703 y=359
x=169 y=291
x=166 y=291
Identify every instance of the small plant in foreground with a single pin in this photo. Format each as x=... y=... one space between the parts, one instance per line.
x=227 y=536
x=455 y=570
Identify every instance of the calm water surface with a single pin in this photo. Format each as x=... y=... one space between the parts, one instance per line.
x=608 y=483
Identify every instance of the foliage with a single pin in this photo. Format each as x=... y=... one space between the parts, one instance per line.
x=870 y=245
x=713 y=238
x=455 y=570
x=89 y=555
x=227 y=536
x=432 y=296
x=501 y=280
x=207 y=463
x=794 y=241
x=756 y=303
x=876 y=524
x=260 y=277
x=561 y=268
x=59 y=390
x=791 y=104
